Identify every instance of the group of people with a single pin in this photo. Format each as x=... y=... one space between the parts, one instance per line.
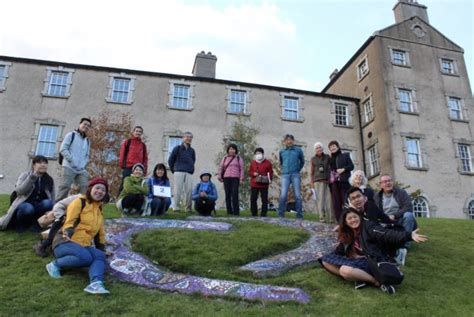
x=76 y=222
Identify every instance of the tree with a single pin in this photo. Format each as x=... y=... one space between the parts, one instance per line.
x=108 y=131
x=243 y=135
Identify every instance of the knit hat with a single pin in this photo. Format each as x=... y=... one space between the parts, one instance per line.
x=138 y=165
x=99 y=180
x=205 y=172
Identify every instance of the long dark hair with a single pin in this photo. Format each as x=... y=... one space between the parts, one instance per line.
x=160 y=166
x=346 y=233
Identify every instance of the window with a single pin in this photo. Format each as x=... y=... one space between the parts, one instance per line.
x=173 y=141
x=455 y=110
x=421 y=207
x=180 y=96
x=368 y=110
x=470 y=210
x=413 y=152
x=447 y=66
x=290 y=108
x=238 y=101
x=362 y=69
x=58 y=82
x=373 y=161
x=4 y=66
x=47 y=138
x=342 y=114
x=112 y=148
x=405 y=100
x=399 y=57
x=465 y=158
x=121 y=87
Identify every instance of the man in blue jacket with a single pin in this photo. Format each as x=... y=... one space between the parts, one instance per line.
x=291 y=162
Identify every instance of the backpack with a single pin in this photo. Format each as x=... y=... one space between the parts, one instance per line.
x=385 y=272
x=61 y=157
x=127 y=147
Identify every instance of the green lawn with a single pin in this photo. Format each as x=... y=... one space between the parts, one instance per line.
x=439 y=276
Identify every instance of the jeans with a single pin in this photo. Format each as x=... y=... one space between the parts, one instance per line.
x=408 y=222
x=27 y=213
x=253 y=201
x=160 y=205
x=231 y=188
x=69 y=176
x=71 y=254
x=295 y=180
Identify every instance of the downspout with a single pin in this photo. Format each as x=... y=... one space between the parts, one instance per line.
x=361 y=134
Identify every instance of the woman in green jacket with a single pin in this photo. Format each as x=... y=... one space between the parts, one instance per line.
x=135 y=189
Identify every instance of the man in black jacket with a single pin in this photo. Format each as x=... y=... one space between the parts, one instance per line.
x=368 y=209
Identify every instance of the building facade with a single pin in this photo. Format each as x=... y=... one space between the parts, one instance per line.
x=401 y=105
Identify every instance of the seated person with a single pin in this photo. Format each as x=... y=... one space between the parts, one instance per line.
x=359 y=240
x=396 y=204
x=366 y=208
x=132 y=197
x=205 y=195
x=158 y=204
x=359 y=180
x=81 y=240
x=34 y=196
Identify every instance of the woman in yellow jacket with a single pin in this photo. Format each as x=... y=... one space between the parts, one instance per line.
x=81 y=240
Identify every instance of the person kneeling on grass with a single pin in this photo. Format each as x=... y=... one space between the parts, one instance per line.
x=135 y=189
x=205 y=195
x=81 y=240
x=363 y=243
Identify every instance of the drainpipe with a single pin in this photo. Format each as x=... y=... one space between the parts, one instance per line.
x=361 y=134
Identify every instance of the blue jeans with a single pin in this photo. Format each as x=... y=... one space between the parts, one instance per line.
x=27 y=213
x=295 y=180
x=71 y=254
x=160 y=205
x=408 y=222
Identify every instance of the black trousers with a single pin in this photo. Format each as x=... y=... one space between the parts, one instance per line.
x=231 y=188
x=204 y=206
x=253 y=201
x=133 y=201
x=125 y=172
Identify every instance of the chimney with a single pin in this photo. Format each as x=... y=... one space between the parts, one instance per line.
x=333 y=74
x=205 y=65
x=405 y=9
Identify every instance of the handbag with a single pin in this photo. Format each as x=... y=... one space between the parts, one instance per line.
x=333 y=177
x=261 y=179
x=385 y=272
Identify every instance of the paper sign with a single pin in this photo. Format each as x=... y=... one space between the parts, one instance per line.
x=161 y=191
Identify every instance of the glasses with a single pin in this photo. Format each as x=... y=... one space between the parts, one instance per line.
x=386 y=181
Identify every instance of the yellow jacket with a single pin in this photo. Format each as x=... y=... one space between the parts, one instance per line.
x=90 y=222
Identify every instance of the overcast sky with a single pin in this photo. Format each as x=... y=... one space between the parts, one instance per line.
x=292 y=43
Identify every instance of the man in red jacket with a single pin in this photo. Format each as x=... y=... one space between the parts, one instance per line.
x=133 y=151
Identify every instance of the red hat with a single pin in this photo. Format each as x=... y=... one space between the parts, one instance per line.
x=99 y=180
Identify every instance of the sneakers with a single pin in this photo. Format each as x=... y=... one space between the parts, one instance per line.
x=40 y=250
x=387 y=289
x=401 y=256
x=359 y=284
x=96 y=288
x=53 y=270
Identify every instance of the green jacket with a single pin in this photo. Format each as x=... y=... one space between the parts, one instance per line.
x=134 y=185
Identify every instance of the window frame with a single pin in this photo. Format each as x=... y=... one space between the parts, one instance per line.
x=468 y=158
x=36 y=131
x=417 y=154
x=299 y=107
x=373 y=165
x=48 y=142
x=454 y=68
x=49 y=77
x=413 y=108
x=365 y=118
x=362 y=73
x=3 y=78
x=406 y=61
x=171 y=90
x=246 y=103
x=470 y=214
x=424 y=214
x=131 y=88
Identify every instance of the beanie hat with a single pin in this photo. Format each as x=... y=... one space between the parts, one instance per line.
x=205 y=172
x=138 y=165
x=99 y=180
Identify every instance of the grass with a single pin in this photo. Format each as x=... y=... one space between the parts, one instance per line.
x=439 y=276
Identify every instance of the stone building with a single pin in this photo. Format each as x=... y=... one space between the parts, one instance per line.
x=400 y=105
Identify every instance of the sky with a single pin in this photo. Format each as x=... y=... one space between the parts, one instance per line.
x=292 y=43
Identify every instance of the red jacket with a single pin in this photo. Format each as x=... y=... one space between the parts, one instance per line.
x=137 y=153
x=263 y=169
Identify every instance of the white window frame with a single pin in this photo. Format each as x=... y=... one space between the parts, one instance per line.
x=461 y=108
x=421 y=202
x=3 y=78
x=178 y=141
x=413 y=104
x=368 y=114
x=406 y=58
x=464 y=158
x=470 y=209
x=343 y=118
x=246 y=103
x=373 y=161
x=418 y=156
x=51 y=142
x=453 y=69
x=299 y=107
x=131 y=88
x=49 y=76
x=190 y=97
x=36 y=134
x=362 y=71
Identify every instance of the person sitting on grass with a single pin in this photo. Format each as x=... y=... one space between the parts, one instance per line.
x=159 y=204
x=366 y=208
x=132 y=197
x=205 y=194
x=360 y=240
x=34 y=191
x=359 y=180
x=81 y=240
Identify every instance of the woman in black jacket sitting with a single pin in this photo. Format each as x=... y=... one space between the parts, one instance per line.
x=359 y=240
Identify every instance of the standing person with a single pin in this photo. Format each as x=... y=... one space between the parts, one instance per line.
x=359 y=180
x=75 y=151
x=181 y=163
x=231 y=172
x=135 y=189
x=133 y=151
x=261 y=175
x=34 y=196
x=319 y=174
x=205 y=194
x=158 y=204
x=341 y=167
x=291 y=162
x=81 y=240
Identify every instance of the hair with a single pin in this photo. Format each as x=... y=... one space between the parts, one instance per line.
x=258 y=150
x=187 y=133
x=353 y=189
x=364 y=180
x=233 y=146
x=160 y=166
x=346 y=233
x=318 y=144
x=380 y=178
x=334 y=142
x=85 y=119
x=39 y=159
x=289 y=136
x=137 y=127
